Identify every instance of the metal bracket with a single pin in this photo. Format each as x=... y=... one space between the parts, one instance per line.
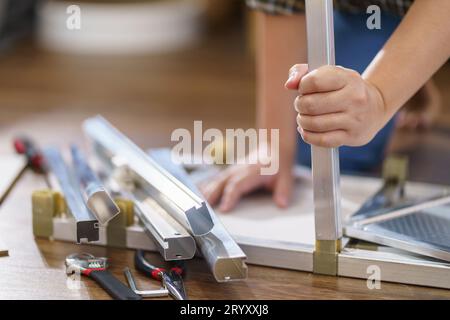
x=325 y=257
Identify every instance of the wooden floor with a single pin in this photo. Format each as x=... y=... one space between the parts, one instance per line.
x=47 y=95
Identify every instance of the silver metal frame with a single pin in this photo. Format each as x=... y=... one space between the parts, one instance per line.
x=353 y=261
x=325 y=161
x=180 y=202
x=373 y=230
x=402 y=209
x=86 y=223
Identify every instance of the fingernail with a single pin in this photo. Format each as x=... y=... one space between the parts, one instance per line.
x=292 y=75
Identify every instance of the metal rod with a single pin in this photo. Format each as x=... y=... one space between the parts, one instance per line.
x=162 y=292
x=86 y=223
x=325 y=161
x=95 y=195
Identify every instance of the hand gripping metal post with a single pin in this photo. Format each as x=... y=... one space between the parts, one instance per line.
x=325 y=161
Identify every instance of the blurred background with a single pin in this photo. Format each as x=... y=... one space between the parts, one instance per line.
x=150 y=66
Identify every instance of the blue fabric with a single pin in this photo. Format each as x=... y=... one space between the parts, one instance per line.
x=356 y=46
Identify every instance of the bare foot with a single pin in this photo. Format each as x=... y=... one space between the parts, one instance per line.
x=421 y=111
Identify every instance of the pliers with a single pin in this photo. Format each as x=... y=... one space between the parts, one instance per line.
x=172 y=279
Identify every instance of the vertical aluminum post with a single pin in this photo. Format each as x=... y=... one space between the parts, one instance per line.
x=325 y=161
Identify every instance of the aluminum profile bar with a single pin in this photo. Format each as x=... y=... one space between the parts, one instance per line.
x=325 y=161
x=173 y=241
x=225 y=258
x=180 y=202
x=95 y=195
x=86 y=224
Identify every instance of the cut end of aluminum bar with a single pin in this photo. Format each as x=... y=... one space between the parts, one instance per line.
x=179 y=248
x=87 y=231
x=227 y=270
x=102 y=206
x=200 y=220
x=97 y=198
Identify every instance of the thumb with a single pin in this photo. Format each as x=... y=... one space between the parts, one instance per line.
x=296 y=73
x=283 y=189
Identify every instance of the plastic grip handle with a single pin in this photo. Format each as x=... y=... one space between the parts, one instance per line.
x=144 y=266
x=113 y=286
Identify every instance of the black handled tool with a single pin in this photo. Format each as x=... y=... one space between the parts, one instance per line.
x=172 y=278
x=88 y=265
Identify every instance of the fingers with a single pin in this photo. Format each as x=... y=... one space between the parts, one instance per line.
x=283 y=189
x=213 y=190
x=235 y=182
x=320 y=103
x=323 y=123
x=331 y=139
x=296 y=73
x=326 y=79
x=237 y=187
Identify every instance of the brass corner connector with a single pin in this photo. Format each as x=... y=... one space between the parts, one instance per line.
x=325 y=257
x=46 y=204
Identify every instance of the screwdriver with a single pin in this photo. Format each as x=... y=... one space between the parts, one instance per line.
x=24 y=145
